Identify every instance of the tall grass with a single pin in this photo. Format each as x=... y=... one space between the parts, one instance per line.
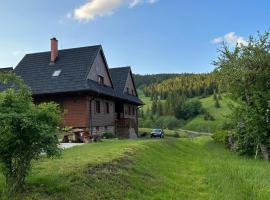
x=148 y=169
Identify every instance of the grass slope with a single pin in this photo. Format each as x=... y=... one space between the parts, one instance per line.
x=149 y=169
x=199 y=124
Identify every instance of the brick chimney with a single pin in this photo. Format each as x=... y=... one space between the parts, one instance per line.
x=54 y=49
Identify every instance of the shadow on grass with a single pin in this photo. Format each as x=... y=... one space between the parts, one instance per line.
x=101 y=181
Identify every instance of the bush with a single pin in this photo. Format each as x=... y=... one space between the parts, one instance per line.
x=144 y=134
x=176 y=135
x=220 y=137
x=147 y=123
x=184 y=134
x=208 y=116
x=26 y=131
x=190 y=109
x=108 y=135
x=172 y=123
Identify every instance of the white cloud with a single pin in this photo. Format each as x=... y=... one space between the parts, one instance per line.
x=94 y=8
x=230 y=38
x=134 y=3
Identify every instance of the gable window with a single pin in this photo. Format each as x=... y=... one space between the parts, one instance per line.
x=56 y=73
x=107 y=108
x=100 y=79
x=132 y=92
x=127 y=90
x=97 y=106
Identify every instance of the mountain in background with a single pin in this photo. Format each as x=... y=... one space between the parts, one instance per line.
x=182 y=101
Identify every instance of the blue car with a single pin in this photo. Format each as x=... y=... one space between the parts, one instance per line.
x=157 y=133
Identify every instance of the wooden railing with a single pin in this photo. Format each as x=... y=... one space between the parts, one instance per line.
x=125 y=123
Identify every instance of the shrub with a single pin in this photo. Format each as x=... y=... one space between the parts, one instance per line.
x=144 y=134
x=171 y=122
x=147 y=123
x=108 y=135
x=26 y=131
x=190 y=109
x=208 y=116
x=220 y=137
x=184 y=134
x=176 y=135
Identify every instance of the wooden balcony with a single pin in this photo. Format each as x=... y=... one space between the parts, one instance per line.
x=125 y=123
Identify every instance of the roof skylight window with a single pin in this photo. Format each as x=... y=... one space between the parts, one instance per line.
x=56 y=73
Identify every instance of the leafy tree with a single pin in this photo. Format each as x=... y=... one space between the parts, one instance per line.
x=190 y=109
x=26 y=130
x=245 y=73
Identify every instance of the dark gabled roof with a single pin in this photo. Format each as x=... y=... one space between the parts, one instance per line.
x=119 y=77
x=36 y=70
x=7 y=69
x=75 y=64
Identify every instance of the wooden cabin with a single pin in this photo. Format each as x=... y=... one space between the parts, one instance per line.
x=92 y=96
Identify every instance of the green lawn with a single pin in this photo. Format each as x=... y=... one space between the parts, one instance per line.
x=148 y=169
x=147 y=100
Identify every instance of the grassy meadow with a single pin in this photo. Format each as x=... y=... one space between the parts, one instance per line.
x=198 y=123
x=220 y=114
x=148 y=169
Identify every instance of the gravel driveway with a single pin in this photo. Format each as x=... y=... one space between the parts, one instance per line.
x=69 y=145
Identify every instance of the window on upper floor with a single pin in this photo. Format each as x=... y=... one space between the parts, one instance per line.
x=127 y=90
x=133 y=111
x=97 y=106
x=100 y=79
x=132 y=92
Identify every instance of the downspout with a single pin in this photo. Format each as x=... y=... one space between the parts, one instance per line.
x=90 y=117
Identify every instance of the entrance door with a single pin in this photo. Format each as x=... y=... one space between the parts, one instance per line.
x=119 y=109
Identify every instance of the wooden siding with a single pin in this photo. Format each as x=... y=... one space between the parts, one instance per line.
x=130 y=85
x=75 y=109
x=99 y=68
x=126 y=111
x=76 y=112
x=103 y=118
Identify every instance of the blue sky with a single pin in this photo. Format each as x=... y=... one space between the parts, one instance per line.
x=152 y=36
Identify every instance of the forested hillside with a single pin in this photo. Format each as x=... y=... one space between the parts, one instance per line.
x=188 y=85
x=149 y=79
x=181 y=101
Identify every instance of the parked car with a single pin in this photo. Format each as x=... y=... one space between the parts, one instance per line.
x=157 y=133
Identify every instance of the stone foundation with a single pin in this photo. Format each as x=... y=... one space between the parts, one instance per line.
x=101 y=129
